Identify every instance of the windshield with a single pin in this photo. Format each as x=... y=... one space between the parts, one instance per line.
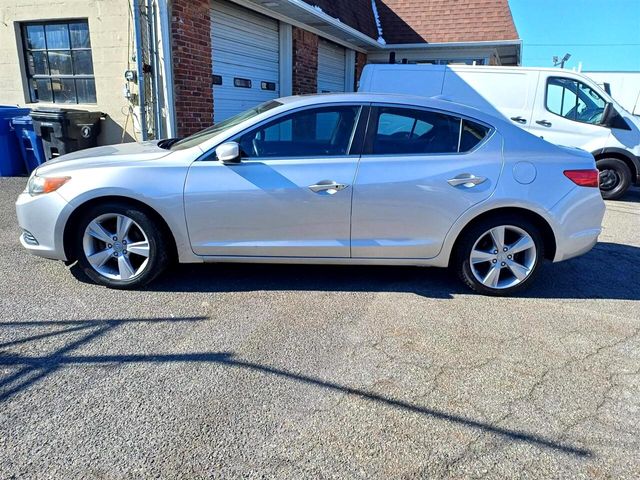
x=208 y=133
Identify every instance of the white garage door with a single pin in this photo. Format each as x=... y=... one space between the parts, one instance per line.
x=331 y=63
x=245 y=59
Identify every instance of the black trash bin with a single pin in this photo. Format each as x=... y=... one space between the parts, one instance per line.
x=66 y=130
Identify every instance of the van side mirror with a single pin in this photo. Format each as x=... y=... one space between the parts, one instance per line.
x=228 y=153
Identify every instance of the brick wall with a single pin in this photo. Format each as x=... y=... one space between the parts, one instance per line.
x=305 y=62
x=361 y=61
x=192 y=69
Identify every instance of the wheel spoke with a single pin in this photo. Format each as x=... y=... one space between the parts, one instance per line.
x=139 y=248
x=497 y=235
x=123 y=226
x=98 y=231
x=492 y=276
x=520 y=271
x=98 y=259
x=480 y=256
x=125 y=268
x=524 y=243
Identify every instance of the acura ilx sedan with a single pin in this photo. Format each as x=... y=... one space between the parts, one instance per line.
x=331 y=179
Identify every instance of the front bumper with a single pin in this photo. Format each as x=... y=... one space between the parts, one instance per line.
x=578 y=219
x=42 y=219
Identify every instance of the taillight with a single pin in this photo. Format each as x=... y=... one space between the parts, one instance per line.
x=583 y=178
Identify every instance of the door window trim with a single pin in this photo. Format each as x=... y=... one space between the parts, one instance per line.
x=546 y=100
x=367 y=146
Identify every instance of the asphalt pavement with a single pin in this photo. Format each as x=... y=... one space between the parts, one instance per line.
x=244 y=371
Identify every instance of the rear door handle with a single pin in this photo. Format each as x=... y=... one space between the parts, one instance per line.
x=467 y=180
x=544 y=123
x=327 y=186
x=519 y=119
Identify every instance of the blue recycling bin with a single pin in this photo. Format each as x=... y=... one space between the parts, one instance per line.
x=29 y=143
x=11 y=162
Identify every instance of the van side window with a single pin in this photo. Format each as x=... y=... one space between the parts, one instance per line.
x=407 y=131
x=574 y=100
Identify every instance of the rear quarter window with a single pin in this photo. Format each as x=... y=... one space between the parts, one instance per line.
x=471 y=134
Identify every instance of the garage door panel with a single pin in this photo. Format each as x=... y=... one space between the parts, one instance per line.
x=331 y=67
x=245 y=45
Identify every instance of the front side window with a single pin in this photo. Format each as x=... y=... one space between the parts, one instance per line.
x=58 y=62
x=574 y=100
x=325 y=131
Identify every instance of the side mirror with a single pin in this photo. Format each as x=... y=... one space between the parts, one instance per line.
x=228 y=153
x=607 y=114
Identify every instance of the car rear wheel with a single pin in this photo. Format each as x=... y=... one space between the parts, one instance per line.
x=120 y=247
x=615 y=178
x=499 y=256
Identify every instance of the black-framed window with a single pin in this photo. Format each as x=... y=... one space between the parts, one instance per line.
x=59 y=65
x=574 y=100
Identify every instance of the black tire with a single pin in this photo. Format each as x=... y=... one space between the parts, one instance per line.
x=615 y=178
x=461 y=262
x=159 y=250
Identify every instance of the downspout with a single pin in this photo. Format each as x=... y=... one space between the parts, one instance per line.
x=155 y=70
x=140 y=69
x=165 y=35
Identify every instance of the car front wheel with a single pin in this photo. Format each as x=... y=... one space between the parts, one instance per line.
x=499 y=256
x=119 y=246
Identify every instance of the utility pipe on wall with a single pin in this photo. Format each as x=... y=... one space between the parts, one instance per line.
x=140 y=69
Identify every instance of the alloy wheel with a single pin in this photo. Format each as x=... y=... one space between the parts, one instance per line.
x=116 y=247
x=503 y=257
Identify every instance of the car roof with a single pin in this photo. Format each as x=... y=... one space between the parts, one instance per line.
x=390 y=98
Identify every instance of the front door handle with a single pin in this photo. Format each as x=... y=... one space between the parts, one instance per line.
x=466 y=180
x=327 y=186
x=519 y=119
x=544 y=123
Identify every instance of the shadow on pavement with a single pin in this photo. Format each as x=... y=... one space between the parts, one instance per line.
x=32 y=369
x=609 y=271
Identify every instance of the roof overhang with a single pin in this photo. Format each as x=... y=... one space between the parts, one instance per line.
x=509 y=51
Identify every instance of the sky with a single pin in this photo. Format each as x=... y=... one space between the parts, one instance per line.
x=602 y=34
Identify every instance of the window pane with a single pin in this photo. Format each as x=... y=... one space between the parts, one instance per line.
x=79 y=35
x=37 y=62
x=472 y=134
x=86 y=88
x=406 y=131
x=590 y=106
x=43 y=90
x=60 y=63
x=64 y=90
x=35 y=36
x=561 y=97
x=82 y=63
x=57 y=36
x=317 y=132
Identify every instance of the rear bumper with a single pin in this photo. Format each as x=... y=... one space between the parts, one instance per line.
x=578 y=222
x=42 y=219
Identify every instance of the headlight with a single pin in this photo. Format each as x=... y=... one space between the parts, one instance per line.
x=38 y=185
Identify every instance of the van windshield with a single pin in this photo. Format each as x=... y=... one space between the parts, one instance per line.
x=208 y=133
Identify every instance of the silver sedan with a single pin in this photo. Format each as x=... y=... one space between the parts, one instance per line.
x=332 y=179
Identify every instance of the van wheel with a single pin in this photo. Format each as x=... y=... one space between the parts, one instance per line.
x=615 y=178
x=499 y=256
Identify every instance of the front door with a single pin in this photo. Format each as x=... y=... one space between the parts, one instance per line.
x=420 y=170
x=289 y=197
x=568 y=112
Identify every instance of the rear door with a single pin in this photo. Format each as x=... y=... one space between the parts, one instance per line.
x=569 y=112
x=420 y=170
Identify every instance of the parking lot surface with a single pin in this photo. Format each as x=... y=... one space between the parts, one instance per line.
x=321 y=372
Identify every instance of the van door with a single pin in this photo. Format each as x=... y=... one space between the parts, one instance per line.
x=500 y=91
x=569 y=112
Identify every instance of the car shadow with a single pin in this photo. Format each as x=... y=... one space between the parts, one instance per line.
x=609 y=271
x=24 y=371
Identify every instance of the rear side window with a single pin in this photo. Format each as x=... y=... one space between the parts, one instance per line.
x=412 y=131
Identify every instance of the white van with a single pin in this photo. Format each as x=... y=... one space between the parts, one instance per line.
x=561 y=106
